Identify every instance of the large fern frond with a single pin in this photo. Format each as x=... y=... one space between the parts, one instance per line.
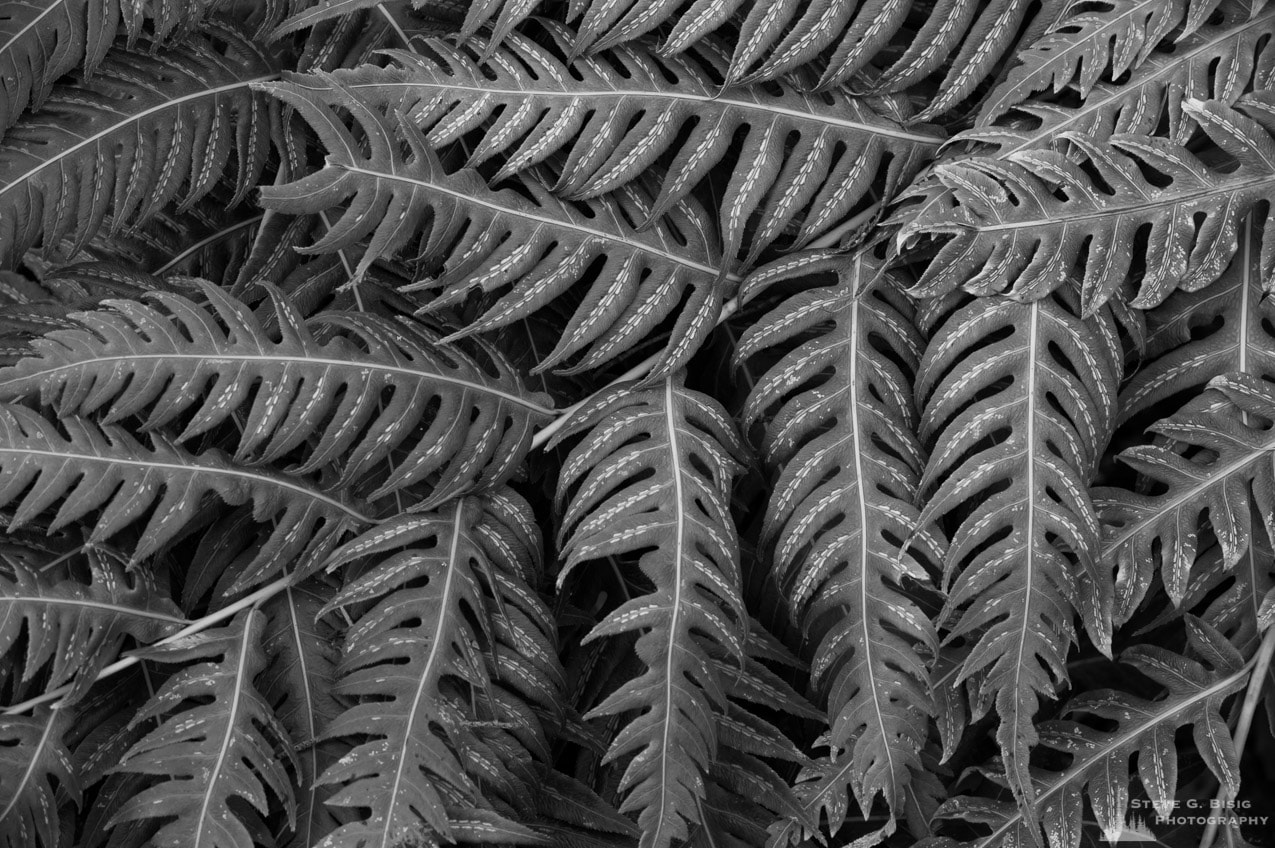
x=1215 y=457
x=82 y=468
x=452 y=671
x=75 y=628
x=489 y=240
x=219 y=753
x=1105 y=730
x=365 y=389
x=149 y=127
x=1023 y=226
x=842 y=39
x=839 y=431
x=1018 y=402
x=805 y=163
x=650 y=481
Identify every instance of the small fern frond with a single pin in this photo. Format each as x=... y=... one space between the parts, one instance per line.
x=219 y=752
x=805 y=164
x=34 y=766
x=489 y=240
x=150 y=127
x=83 y=468
x=452 y=671
x=300 y=685
x=839 y=431
x=1195 y=336
x=1193 y=695
x=1215 y=455
x=650 y=481
x=1018 y=402
x=75 y=628
x=365 y=390
x=1098 y=41
x=1022 y=226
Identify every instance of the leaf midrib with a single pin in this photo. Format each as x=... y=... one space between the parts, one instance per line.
x=699 y=100
x=125 y=610
x=232 y=715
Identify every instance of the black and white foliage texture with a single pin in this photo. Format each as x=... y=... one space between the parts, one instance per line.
x=637 y=423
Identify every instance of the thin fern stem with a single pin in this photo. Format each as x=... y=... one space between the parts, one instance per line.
x=256 y=598
x=729 y=308
x=1261 y=665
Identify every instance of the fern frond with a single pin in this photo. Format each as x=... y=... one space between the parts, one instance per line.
x=84 y=468
x=300 y=685
x=219 y=752
x=650 y=481
x=350 y=399
x=1018 y=402
x=1195 y=336
x=840 y=430
x=745 y=795
x=1023 y=226
x=34 y=766
x=1216 y=454
x=488 y=240
x=805 y=164
x=41 y=40
x=841 y=39
x=1193 y=695
x=75 y=628
x=451 y=678
x=1093 y=43
x=150 y=127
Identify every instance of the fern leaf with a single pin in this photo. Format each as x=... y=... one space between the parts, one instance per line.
x=218 y=749
x=1008 y=229
x=149 y=128
x=1018 y=403
x=450 y=679
x=840 y=431
x=33 y=761
x=1195 y=336
x=41 y=40
x=300 y=685
x=1094 y=43
x=1215 y=456
x=775 y=39
x=1193 y=695
x=353 y=399
x=540 y=246
x=85 y=467
x=651 y=480
x=73 y=628
x=805 y=164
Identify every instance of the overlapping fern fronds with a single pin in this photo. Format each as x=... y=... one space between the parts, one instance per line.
x=635 y=424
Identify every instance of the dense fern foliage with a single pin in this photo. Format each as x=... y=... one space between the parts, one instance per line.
x=637 y=423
